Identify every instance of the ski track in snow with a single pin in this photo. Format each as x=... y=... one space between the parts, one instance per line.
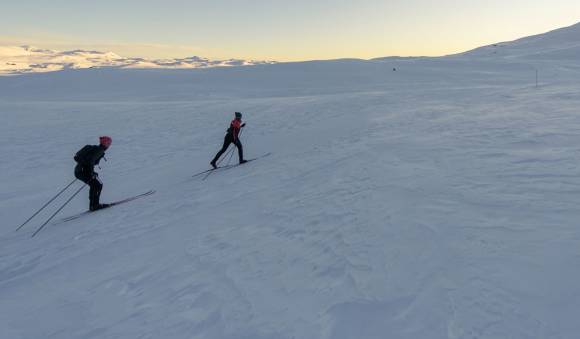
x=437 y=202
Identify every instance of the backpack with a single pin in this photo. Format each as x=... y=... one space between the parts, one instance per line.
x=84 y=155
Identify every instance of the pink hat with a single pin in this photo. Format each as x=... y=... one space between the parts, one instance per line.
x=105 y=141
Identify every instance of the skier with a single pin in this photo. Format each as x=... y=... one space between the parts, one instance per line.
x=232 y=136
x=86 y=158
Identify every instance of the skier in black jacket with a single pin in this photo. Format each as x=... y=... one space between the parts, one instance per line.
x=86 y=158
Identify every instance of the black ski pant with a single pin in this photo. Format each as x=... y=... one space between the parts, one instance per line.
x=89 y=177
x=229 y=139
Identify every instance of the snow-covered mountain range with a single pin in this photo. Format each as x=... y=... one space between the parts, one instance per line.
x=28 y=59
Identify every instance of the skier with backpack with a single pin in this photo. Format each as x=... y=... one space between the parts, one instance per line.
x=87 y=158
x=232 y=137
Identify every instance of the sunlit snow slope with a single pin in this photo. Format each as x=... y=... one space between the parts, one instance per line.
x=439 y=200
x=556 y=46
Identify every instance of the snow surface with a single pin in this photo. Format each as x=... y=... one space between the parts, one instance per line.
x=27 y=59
x=439 y=200
x=557 y=45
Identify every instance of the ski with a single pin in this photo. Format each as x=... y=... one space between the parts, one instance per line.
x=202 y=172
x=236 y=165
x=211 y=169
x=114 y=203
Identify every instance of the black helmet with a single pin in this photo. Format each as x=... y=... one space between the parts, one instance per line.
x=238 y=115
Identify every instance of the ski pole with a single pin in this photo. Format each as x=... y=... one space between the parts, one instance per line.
x=43 y=207
x=231 y=156
x=55 y=213
x=230 y=152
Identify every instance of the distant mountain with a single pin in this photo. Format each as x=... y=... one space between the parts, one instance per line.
x=559 y=44
x=28 y=59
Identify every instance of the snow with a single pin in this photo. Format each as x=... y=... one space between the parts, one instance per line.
x=27 y=59
x=435 y=201
x=559 y=44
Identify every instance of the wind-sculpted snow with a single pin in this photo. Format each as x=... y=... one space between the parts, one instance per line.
x=26 y=59
x=439 y=200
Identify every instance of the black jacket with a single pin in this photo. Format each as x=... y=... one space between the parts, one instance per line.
x=88 y=157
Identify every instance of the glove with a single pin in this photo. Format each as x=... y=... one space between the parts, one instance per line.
x=95 y=175
x=244 y=124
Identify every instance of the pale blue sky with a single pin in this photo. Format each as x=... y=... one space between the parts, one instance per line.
x=276 y=29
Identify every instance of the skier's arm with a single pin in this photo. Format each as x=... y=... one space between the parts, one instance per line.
x=97 y=156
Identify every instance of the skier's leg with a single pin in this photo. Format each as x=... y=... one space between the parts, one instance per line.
x=83 y=175
x=227 y=142
x=95 y=192
x=238 y=144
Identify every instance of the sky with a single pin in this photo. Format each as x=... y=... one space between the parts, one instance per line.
x=280 y=30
